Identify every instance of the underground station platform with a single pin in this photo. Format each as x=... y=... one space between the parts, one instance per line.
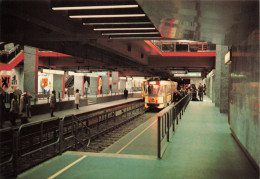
x=200 y=146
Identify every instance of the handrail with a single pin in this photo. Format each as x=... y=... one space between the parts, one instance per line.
x=35 y=137
x=166 y=123
x=88 y=130
x=32 y=124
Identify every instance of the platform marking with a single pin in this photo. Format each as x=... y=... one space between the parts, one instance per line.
x=67 y=167
x=135 y=138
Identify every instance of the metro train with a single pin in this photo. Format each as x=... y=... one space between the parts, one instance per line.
x=158 y=93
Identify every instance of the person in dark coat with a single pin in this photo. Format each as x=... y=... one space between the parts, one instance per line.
x=125 y=93
x=204 y=89
x=23 y=108
x=200 y=93
x=176 y=96
x=53 y=102
x=2 y=109
x=14 y=110
x=194 y=92
x=182 y=93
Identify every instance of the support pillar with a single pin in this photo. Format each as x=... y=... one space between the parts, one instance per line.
x=114 y=81
x=78 y=83
x=31 y=70
x=58 y=85
x=221 y=79
x=93 y=85
x=105 y=84
x=122 y=85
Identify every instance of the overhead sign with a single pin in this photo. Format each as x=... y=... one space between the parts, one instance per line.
x=83 y=71
x=189 y=74
x=179 y=72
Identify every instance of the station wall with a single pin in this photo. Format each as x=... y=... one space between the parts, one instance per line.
x=196 y=81
x=244 y=95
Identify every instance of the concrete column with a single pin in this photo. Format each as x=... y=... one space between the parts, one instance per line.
x=114 y=81
x=105 y=84
x=79 y=84
x=207 y=85
x=58 y=85
x=122 y=85
x=93 y=85
x=212 y=89
x=31 y=69
x=221 y=79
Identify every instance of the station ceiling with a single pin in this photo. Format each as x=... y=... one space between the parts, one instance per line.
x=113 y=34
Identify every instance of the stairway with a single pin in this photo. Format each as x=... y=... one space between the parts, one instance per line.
x=8 y=51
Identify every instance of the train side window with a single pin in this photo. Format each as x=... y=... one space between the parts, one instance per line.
x=161 y=90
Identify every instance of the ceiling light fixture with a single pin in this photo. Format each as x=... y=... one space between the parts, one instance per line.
x=135 y=37
x=131 y=33
x=115 y=23
x=140 y=28
x=107 y=16
x=94 y=7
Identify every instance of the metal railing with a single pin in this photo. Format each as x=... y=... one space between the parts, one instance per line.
x=35 y=142
x=167 y=121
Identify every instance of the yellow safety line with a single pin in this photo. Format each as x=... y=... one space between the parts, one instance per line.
x=135 y=138
x=67 y=167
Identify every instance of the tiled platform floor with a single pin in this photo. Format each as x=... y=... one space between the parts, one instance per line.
x=202 y=147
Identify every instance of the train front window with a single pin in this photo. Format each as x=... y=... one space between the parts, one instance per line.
x=154 y=89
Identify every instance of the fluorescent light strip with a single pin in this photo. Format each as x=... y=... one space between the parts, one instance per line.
x=141 y=28
x=94 y=7
x=107 y=16
x=115 y=23
x=135 y=37
x=131 y=33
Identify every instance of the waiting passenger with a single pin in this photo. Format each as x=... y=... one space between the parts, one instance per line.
x=23 y=108
x=2 y=108
x=14 y=110
x=52 y=103
x=29 y=112
x=77 y=97
x=204 y=89
x=200 y=93
x=182 y=93
x=125 y=93
x=176 y=96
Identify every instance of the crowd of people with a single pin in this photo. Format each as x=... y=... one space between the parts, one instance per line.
x=179 y=94
x=20 y=107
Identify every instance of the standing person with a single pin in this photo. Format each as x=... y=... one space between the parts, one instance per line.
x=200 y=93
x=125 y=93
x=2 y=108
x=52 y=102
x=176 y=96
x=194 y=92
x=29 y=112
x=204 y=89
x=77 y=97
x=23 y=108
x=14 y=110
x=110 y=87
x=182 y=93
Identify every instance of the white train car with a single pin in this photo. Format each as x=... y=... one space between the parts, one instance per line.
x=158 y=93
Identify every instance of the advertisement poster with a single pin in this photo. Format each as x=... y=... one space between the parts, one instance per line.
x=8 y=81
x=44 y=82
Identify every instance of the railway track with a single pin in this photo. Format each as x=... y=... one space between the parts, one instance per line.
x=38 y=142
x=103 y=140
